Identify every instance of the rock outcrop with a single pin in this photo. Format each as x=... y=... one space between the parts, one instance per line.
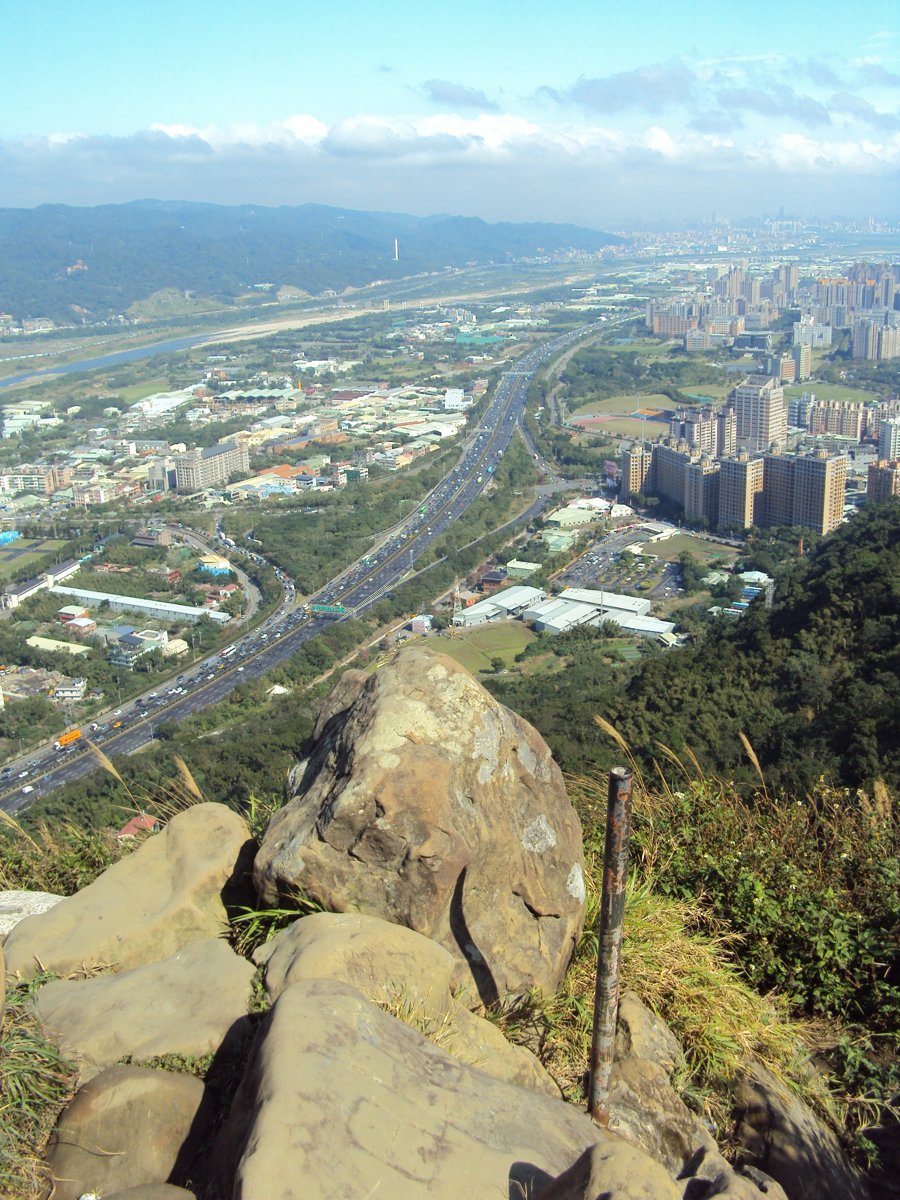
x=16 y=905
x=778 y=1133
x=429 y=804
x=359 y=1103
x=407 y=974
x=145 y=907
x=128 y=1127
x=191 y=1005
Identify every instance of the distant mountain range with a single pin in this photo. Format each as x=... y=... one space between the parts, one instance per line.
x=88 y=263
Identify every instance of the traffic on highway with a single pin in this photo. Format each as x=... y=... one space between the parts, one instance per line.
x=361 y=585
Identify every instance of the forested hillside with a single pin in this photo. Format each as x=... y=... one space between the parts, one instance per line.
x=814 y=683
x=56 y=260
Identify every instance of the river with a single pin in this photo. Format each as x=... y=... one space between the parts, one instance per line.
x=110 y=360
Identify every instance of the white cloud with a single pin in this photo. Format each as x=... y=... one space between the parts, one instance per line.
x=500 y=165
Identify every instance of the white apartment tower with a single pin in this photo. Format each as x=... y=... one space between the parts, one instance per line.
x=760 y=413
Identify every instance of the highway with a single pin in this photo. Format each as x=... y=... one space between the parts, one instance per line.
x=356 y=589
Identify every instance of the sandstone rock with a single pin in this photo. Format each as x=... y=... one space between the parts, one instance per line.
x=384 y=961
x=612 y=1172
x=165 y=895
x=642 y=1034
x=189 y=1004
x=129 y=1126
x=15 y=906
x=779 y=1135
x=647 y=1112
x=152 y=1191
x=339 y=1095
x=429 y=804
x=410 y=976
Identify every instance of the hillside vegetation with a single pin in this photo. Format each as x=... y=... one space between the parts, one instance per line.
x=813 y=683
x=56 y=260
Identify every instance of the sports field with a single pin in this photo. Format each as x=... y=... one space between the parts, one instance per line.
x=625 y=405
x=830 y=391
x=474 y=648
x=26 y=553
x=704 y=551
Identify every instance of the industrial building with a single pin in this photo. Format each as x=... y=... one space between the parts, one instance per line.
x=147 y=608
x=511 y=602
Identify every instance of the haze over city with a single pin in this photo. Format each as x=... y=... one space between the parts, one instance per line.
x=605 y=115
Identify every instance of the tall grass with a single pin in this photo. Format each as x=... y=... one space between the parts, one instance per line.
x=35 y=1082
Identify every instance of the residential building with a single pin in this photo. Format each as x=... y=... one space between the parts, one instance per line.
x=669 y=465
x=760 y=413
x=810 y=333
x=841 y=418
x=882 y=481
x=69 y=691
x=804 y=489
x=210 y=466
x=876 y=340
x=802 y=356
x=636 y=467
x=709 y=430
x=701 y=491
x=889 y=440
x=740 y=492
x=132 y=646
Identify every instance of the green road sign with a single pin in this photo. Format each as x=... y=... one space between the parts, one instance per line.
x=335 y=610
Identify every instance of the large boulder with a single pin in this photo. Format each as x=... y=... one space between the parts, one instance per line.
x=16 y=905
x=190 y=1004
x=145 y=907
x=777 y=1133
x=352 y=1102
x=128 y=1127
x=612 y=1172
x=426 y=802
x=408 y=975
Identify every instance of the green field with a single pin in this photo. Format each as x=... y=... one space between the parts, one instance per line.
x=830 y=391
x=670 y=549
x=20 y=555
x=137 y=391
x=474 y=648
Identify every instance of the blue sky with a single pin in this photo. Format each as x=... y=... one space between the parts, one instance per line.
x=588 y=112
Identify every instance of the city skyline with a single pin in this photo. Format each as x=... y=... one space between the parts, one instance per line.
x=594 y=114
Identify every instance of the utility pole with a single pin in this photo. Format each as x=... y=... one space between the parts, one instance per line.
x=609 y=942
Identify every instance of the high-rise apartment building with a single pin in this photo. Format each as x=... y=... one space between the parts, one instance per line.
x=840 y=418
x=760 y=413
x=709 y=430
x=804 y=489
x=889 y=440
x=669 y=465
x=882 y=481
x=820 y=482
x=210 y=466
x=636 y=468
x=740 y=492
x=802 y=356
x=701 y=491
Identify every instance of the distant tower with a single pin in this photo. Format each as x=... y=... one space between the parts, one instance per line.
x=396 y=250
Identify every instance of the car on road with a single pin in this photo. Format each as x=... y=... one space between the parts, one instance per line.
x=26 y=789
x=23 y=774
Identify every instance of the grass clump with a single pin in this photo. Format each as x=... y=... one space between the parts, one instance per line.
x=36 y=1081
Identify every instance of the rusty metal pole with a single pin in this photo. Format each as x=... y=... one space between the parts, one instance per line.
x=609 y=941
